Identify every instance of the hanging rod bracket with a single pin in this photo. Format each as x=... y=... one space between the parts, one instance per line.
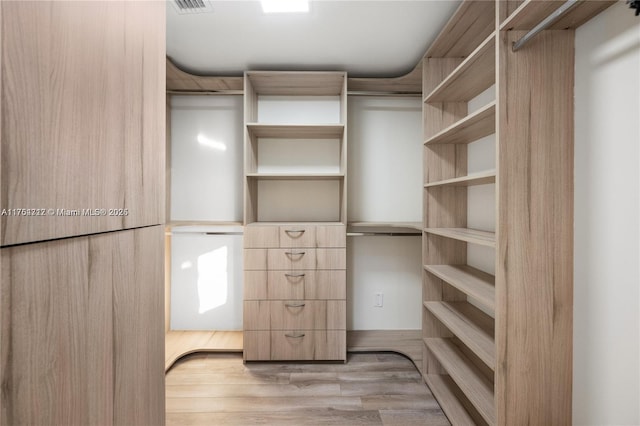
x=545 y=23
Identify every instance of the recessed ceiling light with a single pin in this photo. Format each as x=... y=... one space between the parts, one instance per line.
x=285 y=6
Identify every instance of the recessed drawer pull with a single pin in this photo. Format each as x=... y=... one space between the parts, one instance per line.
x=294 y=253
x=294 y=231
x=294 y=335
x=297 y=275
x=294 y=305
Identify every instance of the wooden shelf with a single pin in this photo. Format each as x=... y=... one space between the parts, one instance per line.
x=472 y=21
x=477 y=125
x=482 y=178
x=469 y=379
x=532 y=12
x=473 y=236
x=445 y=389
x=475 y=74
x=300 y=83
x=291 y=131
x=472 y=326
x=474 y=283
x=296 y=176
x=395 y=227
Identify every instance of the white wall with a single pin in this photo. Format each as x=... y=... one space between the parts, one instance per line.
x=206 y=279
x=206 y=158
x=606 y=385
x=384 y=185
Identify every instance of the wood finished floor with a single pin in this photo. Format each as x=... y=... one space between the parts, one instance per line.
x=370 y=389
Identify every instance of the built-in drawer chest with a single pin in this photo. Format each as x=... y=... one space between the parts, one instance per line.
x=294 y=292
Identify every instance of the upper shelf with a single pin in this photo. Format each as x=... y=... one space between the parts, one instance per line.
x=473 y=179
x=477 y=125
x=472 y=76
x=296 y=176
x=532 y=12
x=385 y=227
x=315 y=131
x=305 y=83
x=472 y=21
x=473 y=236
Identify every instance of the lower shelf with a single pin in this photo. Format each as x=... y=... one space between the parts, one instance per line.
x=469 y=379
x=444 y=389
x=406 y=342
x=180 y=343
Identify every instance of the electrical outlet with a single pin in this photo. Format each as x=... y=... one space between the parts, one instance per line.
x=379 y=300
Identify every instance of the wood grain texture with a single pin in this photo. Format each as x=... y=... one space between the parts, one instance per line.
x=295 y=131
x=303 y=83
x=475 y=74
x=405 y=342
x=372 y=389
x=138 y=308
x=295 y=285
x=472 y=21
x=473 y=327
x=531 y=12
x=473 y=236
x=181 y=81
x=179 y=343
x=534 y=274
x=481 y=178
x=444 y=390
x=88 y=96
x=475 y=283
x=65 y=359
x=477 y=125
x=476 y=388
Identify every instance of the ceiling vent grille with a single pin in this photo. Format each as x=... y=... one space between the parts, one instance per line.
x=192 y=6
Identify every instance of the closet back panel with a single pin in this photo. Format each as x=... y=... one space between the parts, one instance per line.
x=206 y=158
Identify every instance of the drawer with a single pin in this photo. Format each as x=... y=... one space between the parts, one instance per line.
x=298 y=236
x=308 y=345
x=295 y=285
x=286 y=345
x=306 y=285
x=306 y=258
x=261 y=236
x=295 y=314
x=296 y=258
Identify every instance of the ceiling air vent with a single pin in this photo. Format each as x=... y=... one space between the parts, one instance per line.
x=192 y=6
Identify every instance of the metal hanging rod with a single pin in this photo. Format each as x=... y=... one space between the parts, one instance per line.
x=545 y=23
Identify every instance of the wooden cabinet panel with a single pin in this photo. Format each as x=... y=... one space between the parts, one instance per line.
x=311 y=285
x=308 y=345
x=331 y=258
x=296 y=285
x=84 y=129
x=255 y=259
x=256 y=345
x=256 y=315
x=256 y=236
x=298 y=236
x=138 y=309
x=295 y=314
x=81 y=330
x=331 y=236
x=291 y=259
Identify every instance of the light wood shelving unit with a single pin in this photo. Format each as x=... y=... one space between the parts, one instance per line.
x=497 y=348
x=295 y=216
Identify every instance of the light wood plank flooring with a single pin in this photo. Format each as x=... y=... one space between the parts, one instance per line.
x=370 y=389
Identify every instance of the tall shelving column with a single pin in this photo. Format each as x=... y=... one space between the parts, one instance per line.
x=295 y=216
x=517 y=368
x=458 y=354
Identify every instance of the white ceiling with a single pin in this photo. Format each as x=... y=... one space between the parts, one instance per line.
x=367 y=38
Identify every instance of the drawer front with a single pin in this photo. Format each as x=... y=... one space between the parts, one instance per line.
x=308 y=345
x=298 y=236
x=331 y=258
x=295 y=314
x=331 y=236
x=303 y=258
x=305 y=284
x=256 y=236
x=255 y=259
